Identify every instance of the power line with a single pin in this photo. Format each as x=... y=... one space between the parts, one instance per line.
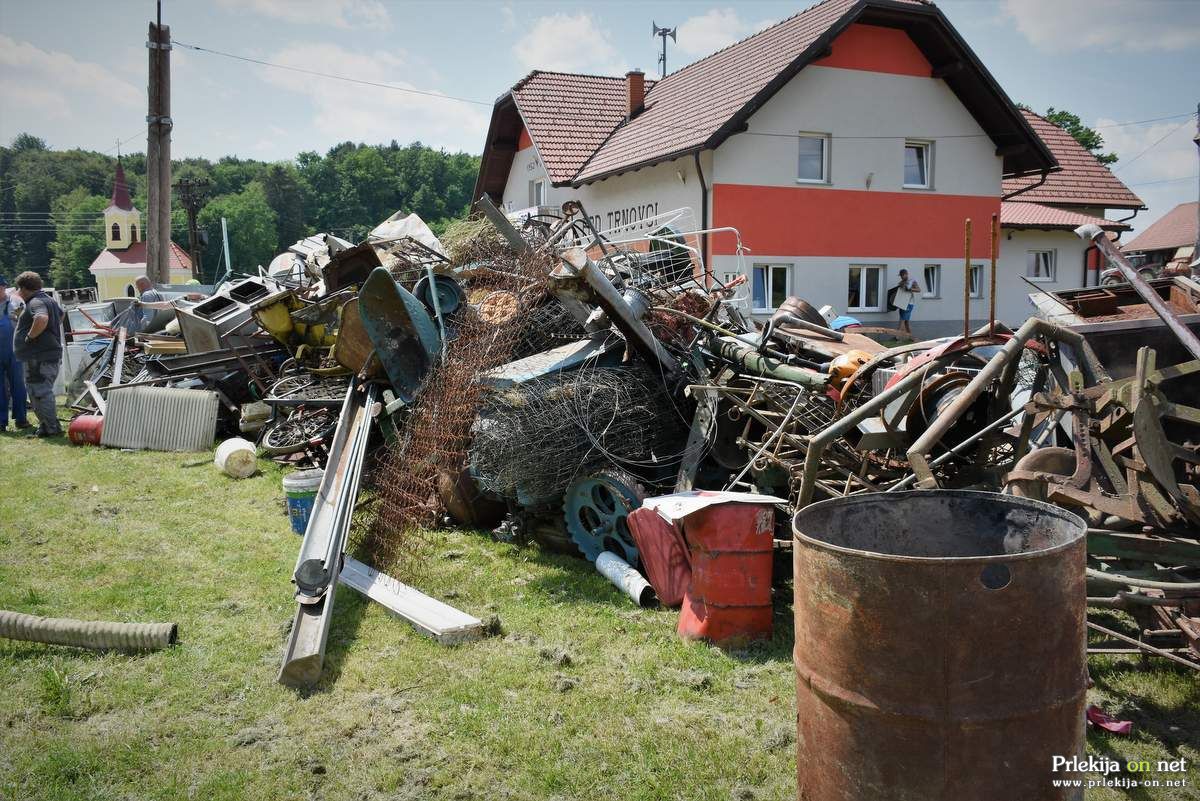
x=1166 y=181
x=348 y=79
x=1157 y=142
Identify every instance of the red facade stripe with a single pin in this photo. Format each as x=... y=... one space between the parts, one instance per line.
x=876 y=49
x=804 y=221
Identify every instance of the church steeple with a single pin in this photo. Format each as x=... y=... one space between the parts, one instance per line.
x=122 y=222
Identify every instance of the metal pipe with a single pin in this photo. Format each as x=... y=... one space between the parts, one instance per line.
x=1131 y=581
x=98 y=636
x=995 y=256
x=918 y=453
x=703 y=212
x=762 y=365
x=1147 y=293
x=816 y=447
x=967 y=280
x=626 y=579
x=783 y=317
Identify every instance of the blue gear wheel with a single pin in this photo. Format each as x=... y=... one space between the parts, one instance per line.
x=595 y=508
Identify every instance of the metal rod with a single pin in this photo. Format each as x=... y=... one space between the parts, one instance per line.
x=992 y=293
x=967 y=278
x=1147 y=293
x=1148 y=648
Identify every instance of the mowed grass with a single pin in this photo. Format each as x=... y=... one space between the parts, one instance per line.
x=582 y=696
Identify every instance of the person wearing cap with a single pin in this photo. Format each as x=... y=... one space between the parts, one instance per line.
x=38 y=343
x=12 y=383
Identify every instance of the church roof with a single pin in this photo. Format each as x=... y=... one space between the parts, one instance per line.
x=120 y=193
x=135 y=256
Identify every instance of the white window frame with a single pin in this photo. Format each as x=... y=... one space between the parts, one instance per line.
x=931 y=289
x=927 y=146
x=537 y=186
x=768 y=269
x=1050 y=279
x=825 y=140
x=977 y=269
x=862 y=287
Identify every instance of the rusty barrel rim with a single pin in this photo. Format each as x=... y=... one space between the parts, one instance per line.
x=1049 y=509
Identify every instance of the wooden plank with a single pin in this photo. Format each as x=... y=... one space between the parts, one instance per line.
x=431 y=617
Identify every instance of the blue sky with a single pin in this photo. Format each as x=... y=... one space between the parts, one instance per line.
x=74 y=72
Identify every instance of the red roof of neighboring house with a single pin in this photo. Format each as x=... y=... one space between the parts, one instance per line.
x=702 y=104
x=1083 y=181
x=135 y=255
x=568 y=116
x=1175 y=230
x=1036 y=215
x=120 y=193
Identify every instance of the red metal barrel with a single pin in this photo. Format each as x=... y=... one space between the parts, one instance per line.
x=85 y=429
x=940 y=647
x=729 y=597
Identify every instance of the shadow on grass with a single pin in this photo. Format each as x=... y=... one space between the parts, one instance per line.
x=1167 y=724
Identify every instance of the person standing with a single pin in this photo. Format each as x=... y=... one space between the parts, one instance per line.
x=12 y=383
x=906 y=300
x=38 y=343
x=140 y=316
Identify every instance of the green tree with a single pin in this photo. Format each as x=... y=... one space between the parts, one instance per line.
x=1091 y=140
x=252 y=234
x=78 y=237
x=288 y=197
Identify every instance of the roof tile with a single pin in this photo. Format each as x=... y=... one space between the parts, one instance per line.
x=1036 y=215
x=1175 y=230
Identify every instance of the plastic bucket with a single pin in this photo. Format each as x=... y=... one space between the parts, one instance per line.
x=301 y=490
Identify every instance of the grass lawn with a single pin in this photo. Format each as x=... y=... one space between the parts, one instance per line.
x=581 y=696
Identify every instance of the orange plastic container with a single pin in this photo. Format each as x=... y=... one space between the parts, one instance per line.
x=729 y=598
x=85 y=429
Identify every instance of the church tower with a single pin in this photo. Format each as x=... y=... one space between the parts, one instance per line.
x=122 y=222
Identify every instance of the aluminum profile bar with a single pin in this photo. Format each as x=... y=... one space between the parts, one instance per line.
x=431 y=617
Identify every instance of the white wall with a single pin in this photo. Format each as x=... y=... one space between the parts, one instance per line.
x=855 y=103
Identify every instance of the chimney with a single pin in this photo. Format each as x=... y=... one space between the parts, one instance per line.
x=635 y=93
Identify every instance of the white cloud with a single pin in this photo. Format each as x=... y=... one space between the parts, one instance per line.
x=568 y=43
x=1152 y=175
x=1106 y=24
x=53 y=73
x=718 y=28
x=345 y=111
x=338 y=13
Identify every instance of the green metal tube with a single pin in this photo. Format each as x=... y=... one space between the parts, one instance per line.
x=761 y=365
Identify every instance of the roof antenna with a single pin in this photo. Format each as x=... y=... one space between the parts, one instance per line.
x=663 y=33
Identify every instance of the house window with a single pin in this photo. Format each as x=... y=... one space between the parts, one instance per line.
x=977 y=280
x=917 y=165
x=814 y=158
x=932 y=288
x=770 y=285
x=866 y=288
x=1040 y=265
x=116 y=232
x=537 y=193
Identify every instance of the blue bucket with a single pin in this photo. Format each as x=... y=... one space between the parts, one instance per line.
x=301 y=491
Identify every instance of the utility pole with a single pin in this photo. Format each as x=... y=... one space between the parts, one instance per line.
x=191 y=192
x=1196 y=139
x=225 y=240
x=158 y=153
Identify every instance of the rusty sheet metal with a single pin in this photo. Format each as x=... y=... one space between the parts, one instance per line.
x=939 y=647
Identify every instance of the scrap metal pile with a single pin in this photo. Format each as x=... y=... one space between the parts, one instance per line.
x=542 y=379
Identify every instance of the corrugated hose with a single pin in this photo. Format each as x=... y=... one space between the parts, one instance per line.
x=96 y=635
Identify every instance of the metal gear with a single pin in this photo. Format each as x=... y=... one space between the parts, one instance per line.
x=595 y=508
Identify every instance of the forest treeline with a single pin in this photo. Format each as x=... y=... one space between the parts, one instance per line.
x=52 y=201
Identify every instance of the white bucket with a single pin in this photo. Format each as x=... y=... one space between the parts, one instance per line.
x=236 y=458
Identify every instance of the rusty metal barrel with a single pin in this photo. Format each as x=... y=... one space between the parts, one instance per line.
x=940 y=647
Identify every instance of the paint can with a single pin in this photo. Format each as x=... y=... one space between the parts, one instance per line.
x=86 y=429
x=300 y=488
x=236 y=458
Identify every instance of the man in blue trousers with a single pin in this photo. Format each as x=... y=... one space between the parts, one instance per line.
x=12 y=383
x=38 y=343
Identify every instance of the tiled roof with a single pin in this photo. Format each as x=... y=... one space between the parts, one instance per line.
x=1175 y=230
x=690 y=105
x=569 y=116
x=135 y=255
x=1083 y=181
x=1036 y=215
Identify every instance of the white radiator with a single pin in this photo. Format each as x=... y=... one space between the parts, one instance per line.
x=160 y=419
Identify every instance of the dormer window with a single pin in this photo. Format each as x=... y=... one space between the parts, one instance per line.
x=116 y=232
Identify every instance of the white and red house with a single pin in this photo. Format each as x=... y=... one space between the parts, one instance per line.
x=845 y=143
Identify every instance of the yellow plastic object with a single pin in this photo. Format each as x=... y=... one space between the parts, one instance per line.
x=846 y=365
x=276 y=319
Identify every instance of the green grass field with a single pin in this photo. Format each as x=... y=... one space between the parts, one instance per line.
x=581 y=696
